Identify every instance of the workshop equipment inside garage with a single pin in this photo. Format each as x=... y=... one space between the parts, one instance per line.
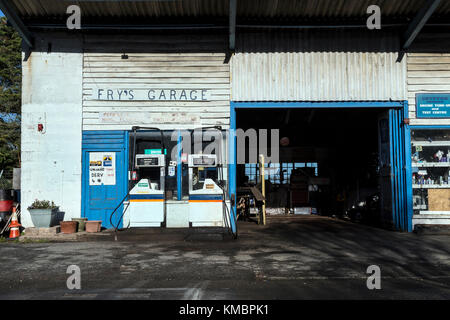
x=329 y=162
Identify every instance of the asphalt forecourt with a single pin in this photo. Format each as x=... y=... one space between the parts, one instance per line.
x=308 y=258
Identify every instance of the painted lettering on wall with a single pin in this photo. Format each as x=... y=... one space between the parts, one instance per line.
x=110 y=94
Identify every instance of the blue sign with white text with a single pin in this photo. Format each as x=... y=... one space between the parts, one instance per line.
x=433 y=105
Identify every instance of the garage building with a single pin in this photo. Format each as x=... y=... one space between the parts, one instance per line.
x=360 y=116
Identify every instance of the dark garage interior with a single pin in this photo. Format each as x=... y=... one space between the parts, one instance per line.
x=328 y=165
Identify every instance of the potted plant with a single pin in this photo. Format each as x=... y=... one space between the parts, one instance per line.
x=43 y=212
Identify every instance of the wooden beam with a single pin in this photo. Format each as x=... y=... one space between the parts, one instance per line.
x=417 y=24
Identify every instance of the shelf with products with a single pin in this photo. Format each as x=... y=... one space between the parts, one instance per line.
x=431 y=186
x=435 y=212
x=430 y=164
x=431 y=155
x=431 y=143
x=430 y=149
x=431 y=177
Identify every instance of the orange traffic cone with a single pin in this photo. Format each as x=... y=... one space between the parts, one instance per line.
x=14 y=226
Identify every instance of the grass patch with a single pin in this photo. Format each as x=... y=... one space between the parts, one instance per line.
x=6 y=240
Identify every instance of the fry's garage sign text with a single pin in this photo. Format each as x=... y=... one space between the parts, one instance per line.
x=151 y=94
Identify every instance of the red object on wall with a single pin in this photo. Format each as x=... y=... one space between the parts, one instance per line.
x=40 y=127
x=6 y=205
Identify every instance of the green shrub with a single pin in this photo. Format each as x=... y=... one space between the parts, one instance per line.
x=43 y=204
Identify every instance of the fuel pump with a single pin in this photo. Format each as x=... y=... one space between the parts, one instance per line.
x=209 y=204
x=206 y=197
x=146 y=201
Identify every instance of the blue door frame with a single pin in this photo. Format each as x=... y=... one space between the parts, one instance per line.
x=105 y=141
x=400 y=146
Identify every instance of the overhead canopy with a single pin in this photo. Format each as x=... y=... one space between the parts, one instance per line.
x=232 y=16
x=261 y=11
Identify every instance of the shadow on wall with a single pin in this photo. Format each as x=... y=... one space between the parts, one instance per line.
x=247 y=41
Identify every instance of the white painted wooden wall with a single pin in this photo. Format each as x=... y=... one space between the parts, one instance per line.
x=427 y=73
x=156 y=71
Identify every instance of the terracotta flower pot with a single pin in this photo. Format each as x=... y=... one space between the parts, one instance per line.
x=68 y=226
x=81 y=223
x=93 y=226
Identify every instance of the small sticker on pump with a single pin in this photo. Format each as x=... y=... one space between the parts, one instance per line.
x=209 y=186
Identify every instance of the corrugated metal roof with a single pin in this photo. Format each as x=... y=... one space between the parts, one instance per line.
x=252 y=9
x=332 y=8
x=168 y=8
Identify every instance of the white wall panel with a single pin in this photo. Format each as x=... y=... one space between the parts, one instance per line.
x=318 y=76
x=52 y=96
x=142 y=72
x=427 y=73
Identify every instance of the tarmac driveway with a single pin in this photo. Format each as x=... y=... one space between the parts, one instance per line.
x=292 y=258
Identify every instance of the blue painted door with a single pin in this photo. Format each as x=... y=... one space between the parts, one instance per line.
x=393 y=164
x=100 y=200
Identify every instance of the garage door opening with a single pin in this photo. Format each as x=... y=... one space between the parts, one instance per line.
x=332 y=162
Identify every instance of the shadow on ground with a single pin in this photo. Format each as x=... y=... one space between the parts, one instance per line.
x=306 y=257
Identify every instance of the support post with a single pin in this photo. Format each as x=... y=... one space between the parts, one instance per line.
x=232 y=169
x=232 y=27
x=416 y=25
x=11 y=14
x=179 y=167
x=263 y=188
x=408 y=169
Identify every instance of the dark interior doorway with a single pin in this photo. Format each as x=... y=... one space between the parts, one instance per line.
x=328 y=164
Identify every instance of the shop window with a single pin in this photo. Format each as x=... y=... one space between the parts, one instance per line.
x=251 y=171
x=430 y=169
x=286 y=169
x=277 y=173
